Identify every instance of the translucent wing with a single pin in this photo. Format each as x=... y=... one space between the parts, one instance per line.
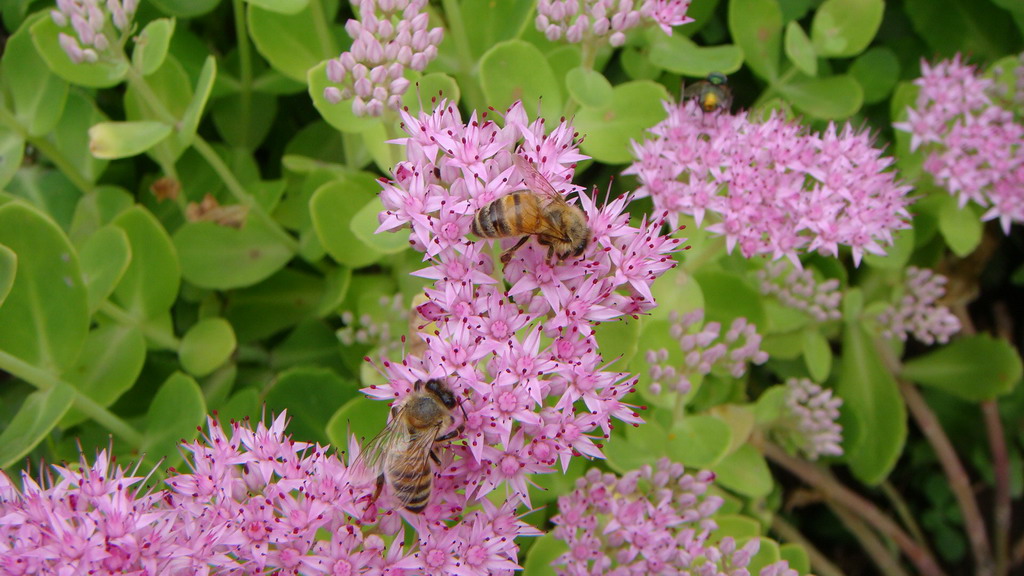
x=413 y=461
x=537 y=183
x=374 y=454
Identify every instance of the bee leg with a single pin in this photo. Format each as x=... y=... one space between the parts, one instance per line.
x=433 y=456
x=380 y=486
x=507 y=254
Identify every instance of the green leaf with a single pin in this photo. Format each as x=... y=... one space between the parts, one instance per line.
x=244 y=120
x=698 y=441
x=745 y=472
x=974 y=368
x=286 y=40
x=429 y=87
x=108 y=366
x=220 y=257
x=206 y=346
x=281 y=6
x=38 y=97
x=8 y=270
x=171 y=87
x=767 y=553
x=185 y=8
x=293 y=391
x=105 y=258
x=100 y=74
x=844 y=28
x=489 y=23
x=516 y=70
x=961 y=227
x=618 y=340
x=35 y=418
x=877 y=72
x=828 y=98
x=360 y=416
x=736 y=526
x=756 y=27
x=194 y=113
x=279 y=302
x=643 y=444
x=12 y=152
x=149 y=287
x=952 y=26
x=898 y=254
x=771 y=405
x=588 y=87
x=817 y=355
x=338 y=115
x=800 y=50
x=97 y=209
x=71 y=135
x=44 y=319
x=874 y=417
x=339 y=201
x=796 y=556
x=635 y=107
x=728 y=297
x=544 y=551
x=152 y=44
x=680 y=55
x=364 y=226
x=113 y=140
x=177 y=409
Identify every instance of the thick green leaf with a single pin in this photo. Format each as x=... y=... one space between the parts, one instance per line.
x=829 y=98
x=877 y=72
x=287 y=41
x=311 y=395
x=185 y=8
x=281 y=301
x=745 y=472
x=698 y=441
x=97 y=209
x=796 y=556
x=338 y=115
x=767 y=553
x=588 y=87
x=544 y=551
x=737 y=526
x=635 y=107
x=336 y=203
x=38 y=96
x=874 y=417
x=516 y=70
x=152 y=44
x=45 y=319
x=220 y=257
x=206 y=346
x=680 y=55
x=113 y=140
x=12 y=152
x=728 y=297
x=72 y=135
x=171 y=86
x=8 y=270
x=149 y=287
x=898 y=254
x=244 y=120
x=800 y=50
x=643 y=444
x=35 y=418
x=974 y=368
x=618 y=340
x=282 y=6
x=108 y=366
x=105 y=258
x=951 y=26
x=430 y=89
x=756 y=27
x=489 y=23
x=177 y=409
x=360 y=417
x=961 y=227
x=844 y=28
x=817 y=354
x=364 y=226
x=101 y=74
x=194 y=113
x=47 y=190
x=771 y=405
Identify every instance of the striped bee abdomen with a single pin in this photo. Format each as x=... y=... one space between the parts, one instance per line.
x=411 y=479
x=500 y=218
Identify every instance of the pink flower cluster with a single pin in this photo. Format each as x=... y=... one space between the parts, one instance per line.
x=771 y=187
x=797 y=288
x=975 y=148
x=583 y=20
x=705 y=350
x=91 y=22
x=516 y=345
x=390 y=36
x=656 y=520
x=815 y=431
x=254 y=502
x=918 y=311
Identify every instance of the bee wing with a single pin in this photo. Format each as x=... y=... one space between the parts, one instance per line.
x=414 y=461
x=375 y=452
x=694 y=89
x=536 y=182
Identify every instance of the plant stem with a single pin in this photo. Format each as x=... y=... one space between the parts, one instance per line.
x=903 y=511
x=1003 y=505
x=159 y=337
x=883 y=558
x=821 y=565
x=322 y=28
x=857 y=504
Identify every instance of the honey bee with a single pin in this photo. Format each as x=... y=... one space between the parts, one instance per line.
x=538 y=211
x=398 y=455
x=712 y=93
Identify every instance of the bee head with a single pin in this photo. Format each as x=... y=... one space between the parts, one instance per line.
x=441 y=390
x=718 y=79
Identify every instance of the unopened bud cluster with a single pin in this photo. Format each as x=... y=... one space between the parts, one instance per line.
x=390 y=36
x=816 y=413
x=97 y=26
x=918 y=311
x=580 y=20
x=796 y=288
x=367 y=331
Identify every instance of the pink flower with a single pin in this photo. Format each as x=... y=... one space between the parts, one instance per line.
x=770 y=187
x=973 y=145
